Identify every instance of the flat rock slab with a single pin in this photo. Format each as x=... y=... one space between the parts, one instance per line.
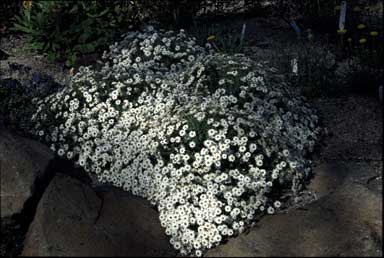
x=328 y=176
x=22 y=162
x=345 y=220
x=72 y=220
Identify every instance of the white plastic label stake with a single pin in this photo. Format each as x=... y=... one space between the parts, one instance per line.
x=343 y=12
x=295 y=68
x=242 y=33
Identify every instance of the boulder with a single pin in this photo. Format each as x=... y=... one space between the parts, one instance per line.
x=73 y=220
x=134 y=225
x=22 y=163
x=345 y=220
x=328 y=176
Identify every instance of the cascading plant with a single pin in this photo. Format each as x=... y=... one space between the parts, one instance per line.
x=208 y=138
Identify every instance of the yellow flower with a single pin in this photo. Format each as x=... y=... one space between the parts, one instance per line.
x=357 y=9
x=55 y=8
x=374 y=33
x=27 y=4
x=361 y=26
x=341 y=32
x=363 y=40
x=337 y=7
x=211 y=38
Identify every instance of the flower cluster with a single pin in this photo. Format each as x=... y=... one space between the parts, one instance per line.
x=206 y=137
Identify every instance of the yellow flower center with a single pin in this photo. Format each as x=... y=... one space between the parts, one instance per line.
x=374 y=33
x=363 y=40
x=211 y=38
x=361 y=26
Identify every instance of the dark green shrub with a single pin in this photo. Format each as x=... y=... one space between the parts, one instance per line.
x=67 y=29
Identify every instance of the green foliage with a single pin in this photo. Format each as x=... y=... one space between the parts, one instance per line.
x=316 y=74
x=322 y=70
x=316 y=65
x=226 y=36
x=65 y=30
x=349 y=60
x=360 y=48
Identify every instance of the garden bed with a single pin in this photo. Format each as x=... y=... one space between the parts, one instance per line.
x=346 y=152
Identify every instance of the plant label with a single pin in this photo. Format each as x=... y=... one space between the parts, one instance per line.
x=295 y=67
x=242 y=33
x=343 y=12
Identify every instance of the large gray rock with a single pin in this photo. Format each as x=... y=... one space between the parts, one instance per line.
x=22 y=162
x=133 y=225
x=72 y=220
x=330 y=175
x=346 y=220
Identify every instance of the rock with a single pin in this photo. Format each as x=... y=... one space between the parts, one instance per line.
x=22 y=163
x=327 y=178
x=134 y=225
x=345 y=221
x=71 y=220
x=330 y=175
x=368 y=174
x=63 y=222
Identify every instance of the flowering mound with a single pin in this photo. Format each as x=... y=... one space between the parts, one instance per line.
x=210 y=139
